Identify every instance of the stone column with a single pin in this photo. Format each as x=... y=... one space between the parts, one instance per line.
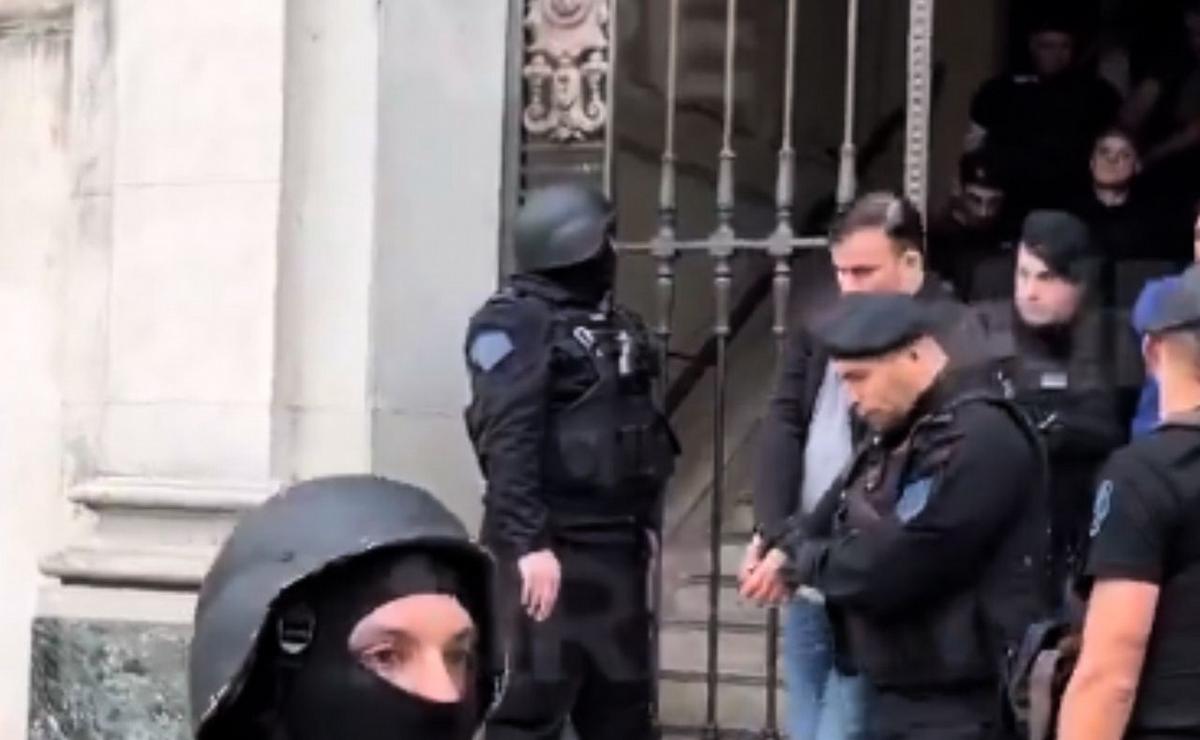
x=322 y=419
x=283 y=222
x=441 y=115
x=35 y=187
x=168 y=344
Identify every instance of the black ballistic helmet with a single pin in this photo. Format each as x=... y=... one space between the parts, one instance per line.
x=292 y=539
x=560 y=226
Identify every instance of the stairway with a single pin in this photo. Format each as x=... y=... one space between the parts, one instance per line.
x=742 y=652
x=742 y=679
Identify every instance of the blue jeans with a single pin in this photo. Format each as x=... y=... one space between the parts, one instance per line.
x=822 y=704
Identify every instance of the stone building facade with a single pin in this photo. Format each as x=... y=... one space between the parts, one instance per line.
x=240 y=239
x=238 y=244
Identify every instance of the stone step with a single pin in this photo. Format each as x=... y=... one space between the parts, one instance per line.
x=742 y=648
x=698 y=733
x=741 y=518
x=690 y=602
x=741 y=700
x=733 y=549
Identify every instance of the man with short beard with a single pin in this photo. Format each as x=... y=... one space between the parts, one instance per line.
x=929 y=548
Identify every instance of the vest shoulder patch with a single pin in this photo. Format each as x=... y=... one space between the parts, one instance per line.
x=489 y=348
x=913 y=499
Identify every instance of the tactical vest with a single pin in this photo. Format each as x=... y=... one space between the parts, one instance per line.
x=608 y=445
x=966 y=644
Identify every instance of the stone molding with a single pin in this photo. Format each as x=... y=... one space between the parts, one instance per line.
x=154 y=534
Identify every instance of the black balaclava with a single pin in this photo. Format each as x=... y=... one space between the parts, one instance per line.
x=325 y=693
x=592 y=280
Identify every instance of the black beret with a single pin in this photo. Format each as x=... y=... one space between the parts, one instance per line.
x=1060 y=240
x=864 y=325
x=981 y=168
x=1177 y=306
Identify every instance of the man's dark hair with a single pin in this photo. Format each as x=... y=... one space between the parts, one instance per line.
x=895 y=215
x=1063 y=241
x=1119 y=132
x=1055 y=17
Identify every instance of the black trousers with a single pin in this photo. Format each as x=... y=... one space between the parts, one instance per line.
x=590 y=661
x=942 y=715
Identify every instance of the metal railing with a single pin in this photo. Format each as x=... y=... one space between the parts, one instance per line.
x=665 y=248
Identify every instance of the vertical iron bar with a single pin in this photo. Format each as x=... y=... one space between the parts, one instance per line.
x=511 y=169
x=781 y=291
x=785 y=182
x=664 y=257
x=722 y=284
x=725 y=177
x=848 y=166
x=667 y=201
x=920 y=89
x=610 y=127
x=784 y=196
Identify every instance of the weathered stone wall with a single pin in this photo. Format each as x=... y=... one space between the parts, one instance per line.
x=35 y=226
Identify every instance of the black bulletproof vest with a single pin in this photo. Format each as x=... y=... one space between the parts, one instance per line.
x=609 y=449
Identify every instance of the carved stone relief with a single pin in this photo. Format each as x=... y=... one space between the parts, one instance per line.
x=566 y=69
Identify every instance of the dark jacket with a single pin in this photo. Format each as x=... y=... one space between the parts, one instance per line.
x=562 y=417
x=931 y=550
x=780 y=472
x=1063 y=379
x=978 y=263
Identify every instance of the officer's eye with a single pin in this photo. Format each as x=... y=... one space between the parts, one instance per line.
x=460 y=658
x=383 y=657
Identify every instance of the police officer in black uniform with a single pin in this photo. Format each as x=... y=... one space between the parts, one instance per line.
x=1138 y=675
x=1042 y=124
x=576 y=455
x=348 y=607
x=1054 y=344
x=930 y=549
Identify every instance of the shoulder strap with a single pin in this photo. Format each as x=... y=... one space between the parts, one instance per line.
x=1052 y=590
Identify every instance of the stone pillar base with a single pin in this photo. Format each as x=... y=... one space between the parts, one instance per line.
x=110 y=664
x=110 y=638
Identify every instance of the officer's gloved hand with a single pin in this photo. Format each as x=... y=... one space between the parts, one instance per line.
x=541 y=577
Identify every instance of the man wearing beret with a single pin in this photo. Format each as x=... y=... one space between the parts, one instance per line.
x=929 y=549
x=1055 y=341
x=1138 y=675
x=808 y=436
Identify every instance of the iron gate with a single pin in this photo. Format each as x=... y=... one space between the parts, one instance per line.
x=562 y=127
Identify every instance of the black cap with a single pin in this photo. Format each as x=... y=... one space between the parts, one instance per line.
x=1055 y=16
x=1060 y=240
x=981 y=168
x=865 y=325
x=1177 y=306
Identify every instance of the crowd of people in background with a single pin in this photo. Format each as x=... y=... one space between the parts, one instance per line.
x=1121 y=154
x=1075 y=208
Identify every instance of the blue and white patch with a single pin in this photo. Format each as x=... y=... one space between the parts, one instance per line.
x=1055 y=381
x=913 y=499
x=1101 y=505
x=489 y=349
